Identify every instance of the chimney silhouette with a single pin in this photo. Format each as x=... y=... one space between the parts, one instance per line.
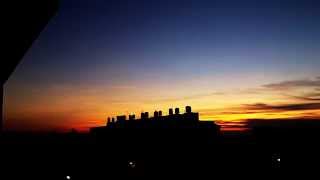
x=146 y=115
x=113 y=121
x=170 y=111
x=132 y=117
x=188 y=109
x=142 y=116
x=108 y=121
x=176 y=110
x=160 y=113
x=155 y=114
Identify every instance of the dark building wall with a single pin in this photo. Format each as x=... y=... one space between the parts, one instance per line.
x=132 y=117
x=191 y=116
x=1 y=108
x=185 y=120
x=121 y=118
x=21 y=26
x=121 y=121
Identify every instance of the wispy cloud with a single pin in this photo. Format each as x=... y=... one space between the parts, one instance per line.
x=301 y=98
x=264 y=108
x=285 y=85
x=313 y=95
x=228 y=111
x=280 y=108
x=305 y=97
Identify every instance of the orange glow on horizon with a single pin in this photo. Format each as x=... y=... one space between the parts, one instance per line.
x=66 y=107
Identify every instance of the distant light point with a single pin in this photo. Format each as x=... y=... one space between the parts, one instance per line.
x=132 y=164
x=68 y=177
x=278 y=159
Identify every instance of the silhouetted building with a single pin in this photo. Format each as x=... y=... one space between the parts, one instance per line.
x=109 y=121
x=176 y=111
x=121 y=119
x=132 y=117
x=188 y=109
x=155 y=114
x=146 y=115
x=170 y=111
x=187 y=120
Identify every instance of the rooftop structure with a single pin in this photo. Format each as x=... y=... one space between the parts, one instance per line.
x=188 y=119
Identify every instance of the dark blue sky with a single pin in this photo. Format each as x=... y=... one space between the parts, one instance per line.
x=88 y=36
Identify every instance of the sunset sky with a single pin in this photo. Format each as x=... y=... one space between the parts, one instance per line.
x=229 y=60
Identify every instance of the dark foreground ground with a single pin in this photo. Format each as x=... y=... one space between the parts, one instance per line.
x=163 y=153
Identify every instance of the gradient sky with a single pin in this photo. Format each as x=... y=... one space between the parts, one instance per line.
x=229 y=60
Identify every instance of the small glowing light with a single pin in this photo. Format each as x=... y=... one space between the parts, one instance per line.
x=278 y=159
x=132 y=164
x=68 y=177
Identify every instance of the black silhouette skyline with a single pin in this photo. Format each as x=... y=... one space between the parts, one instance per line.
x=188 y=119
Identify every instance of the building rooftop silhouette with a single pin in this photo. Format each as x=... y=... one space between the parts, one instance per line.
x=188 y=119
